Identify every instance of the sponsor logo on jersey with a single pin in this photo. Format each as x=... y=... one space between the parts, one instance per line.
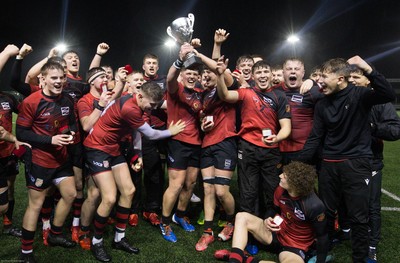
x=5 y=105
x=299 y=214
x=64 y=111
x=98 y=164
x=297 y=98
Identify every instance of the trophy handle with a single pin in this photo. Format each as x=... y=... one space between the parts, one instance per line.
x=191 y=20
x=169 y=32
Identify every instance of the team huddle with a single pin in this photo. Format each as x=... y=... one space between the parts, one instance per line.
x=86 y=142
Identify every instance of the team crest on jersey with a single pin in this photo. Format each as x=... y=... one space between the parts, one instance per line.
x=196 y=105
x=64 y=111
x=287 y=109
x=5 y=105
x=299 y=214
x=72 y=94
x=297 y=98
x=106 y=164
x=38 y=182
x=288 y=215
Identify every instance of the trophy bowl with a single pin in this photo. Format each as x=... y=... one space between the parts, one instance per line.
x=181 y=30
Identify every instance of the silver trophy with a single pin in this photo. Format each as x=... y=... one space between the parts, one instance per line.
x=181 y=30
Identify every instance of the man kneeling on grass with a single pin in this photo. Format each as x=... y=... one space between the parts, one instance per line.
x=300 y=220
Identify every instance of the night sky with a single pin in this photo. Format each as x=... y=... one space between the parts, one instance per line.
x=327 y=29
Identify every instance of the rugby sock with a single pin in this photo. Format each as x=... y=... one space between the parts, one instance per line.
x=121 y=219
x=46 y=210
x=77 y=206
x=166 y=220
x=236 y=255
x=230 y=218
x=27 y=241
x=251 y=259
x=180 y=213
x=100 y=223
x=9 y=213
x=56 y=230
x=208 y=227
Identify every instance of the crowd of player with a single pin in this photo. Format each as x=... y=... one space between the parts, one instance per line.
x=101 y=132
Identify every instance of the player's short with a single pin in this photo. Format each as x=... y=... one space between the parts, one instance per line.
x=3 y=180
x=10 y=165
x=41 y=178
x=222 y=155
x=75 y=152
x=277 y=247
x=98 y=161
x=182 y=155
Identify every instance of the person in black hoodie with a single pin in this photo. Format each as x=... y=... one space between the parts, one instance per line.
x=342 y=127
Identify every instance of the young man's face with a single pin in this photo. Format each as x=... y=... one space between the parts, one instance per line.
x=134 y=82
x=150 y=67
x=109 y=73
x=330 y=82
x=53 y=82
x=145 y=102
x=262 y=77
x=293 y=73
x=283 y=182
x=189 y=78
x=359 y=80
x=208 y=79
x=100 y=81
x=315 y=75
x=277 y=76
x=73 y=62
x=245 y=67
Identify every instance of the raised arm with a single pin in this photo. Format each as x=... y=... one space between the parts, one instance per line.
x=224 y=94
x=31 y=76
x=175 y=69
x=102 y=49
x=220 y=37
x=9 y=51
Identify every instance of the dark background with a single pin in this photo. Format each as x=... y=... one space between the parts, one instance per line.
x=334 y=28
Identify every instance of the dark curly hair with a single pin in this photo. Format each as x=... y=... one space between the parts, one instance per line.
x=300 y=177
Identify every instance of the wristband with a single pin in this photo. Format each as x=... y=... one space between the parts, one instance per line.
x=97 y=106
x=178 y=64
x=99 y=54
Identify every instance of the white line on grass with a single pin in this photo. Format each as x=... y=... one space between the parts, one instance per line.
x=395 y=197
x=391 y=209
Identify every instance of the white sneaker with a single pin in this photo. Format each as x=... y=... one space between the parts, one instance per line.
x=195 y=199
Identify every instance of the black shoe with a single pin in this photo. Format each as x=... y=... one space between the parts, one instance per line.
x=60 y=240
x=124 y=246
x=99 y=252
x=27 y=258
x=12 y=231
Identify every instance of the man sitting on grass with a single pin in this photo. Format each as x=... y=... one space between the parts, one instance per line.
x=303 y=215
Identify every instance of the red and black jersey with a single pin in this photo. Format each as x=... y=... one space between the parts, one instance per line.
x=260 y=110
x=302 y=111
x=185 y=105
x=224 y=117
x=40 y=118
x=118 y=120
x=8 y=105
x=303 y=219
